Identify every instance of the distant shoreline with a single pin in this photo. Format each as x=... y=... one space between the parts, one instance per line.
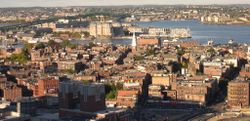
x=241 y=24
x=122 y=5
x=208 y=23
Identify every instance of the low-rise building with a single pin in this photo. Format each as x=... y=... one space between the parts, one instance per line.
x=12 y=92
x=127 y=98
x=148 y=41
x=155 y=92
x=199 y=91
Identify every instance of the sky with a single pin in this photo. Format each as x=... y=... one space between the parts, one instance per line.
x=59 y=3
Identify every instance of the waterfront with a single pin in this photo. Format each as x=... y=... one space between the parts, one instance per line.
x=221 y=34
x=203 y=32
x=1 y=25
x=200 y=32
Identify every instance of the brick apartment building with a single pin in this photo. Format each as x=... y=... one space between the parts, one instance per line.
x=128 y=98
x=245 y=72
x=148 y=41
x=40 y=87
x=238 y=93
x=47 y=86
x=9 y=90
x=214 y=69
x=69 y=65
x=200 y=91
x=12 y=93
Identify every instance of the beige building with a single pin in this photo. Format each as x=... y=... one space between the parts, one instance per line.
x=47 y=25
x=98 y=29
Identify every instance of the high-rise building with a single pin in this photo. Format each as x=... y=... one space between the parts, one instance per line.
x=101 y=29
x=93 y=29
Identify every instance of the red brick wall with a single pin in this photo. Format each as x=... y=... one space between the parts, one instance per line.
x=143 y=41
x=212 y=71
x=245 y=74
x=12 y=93
x=46 y=85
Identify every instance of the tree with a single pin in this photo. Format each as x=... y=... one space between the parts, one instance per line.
x=150 y=52
x=119 y=86
x=180 y=52
x=184 y=64
x=111 y=95
x=40 y=46
x=76 y=35
x=86 y=34
x=138 y=58
x=85 y=81
x=91 y=44
x=111 y=90
x=65 y=43
x=27 y=46
x=20 y=58
x=70 y=71
x=211 y=51
x=52 y=43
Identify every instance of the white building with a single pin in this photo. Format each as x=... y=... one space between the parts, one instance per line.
x=232 y=61
x=210 y=42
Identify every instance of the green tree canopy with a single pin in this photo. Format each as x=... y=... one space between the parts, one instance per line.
x=39 y=46
x=66 y=43
x=112 y=90
x=52 y=43
x=22 y=57
x=86 y=34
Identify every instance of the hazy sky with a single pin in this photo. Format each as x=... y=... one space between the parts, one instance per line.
x=26 y=3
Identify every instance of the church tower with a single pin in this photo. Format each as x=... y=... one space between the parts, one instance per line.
x=248 y=53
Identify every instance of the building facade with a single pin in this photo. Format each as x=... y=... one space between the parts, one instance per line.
x=99 y=29
x=238 y=94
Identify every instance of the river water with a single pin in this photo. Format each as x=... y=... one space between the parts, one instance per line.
x=3 y=25
x=203 y=32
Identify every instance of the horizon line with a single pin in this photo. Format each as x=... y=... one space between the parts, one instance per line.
x=124 y=5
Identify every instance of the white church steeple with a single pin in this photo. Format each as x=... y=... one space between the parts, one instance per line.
x=248 y=53
x=134 y=43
